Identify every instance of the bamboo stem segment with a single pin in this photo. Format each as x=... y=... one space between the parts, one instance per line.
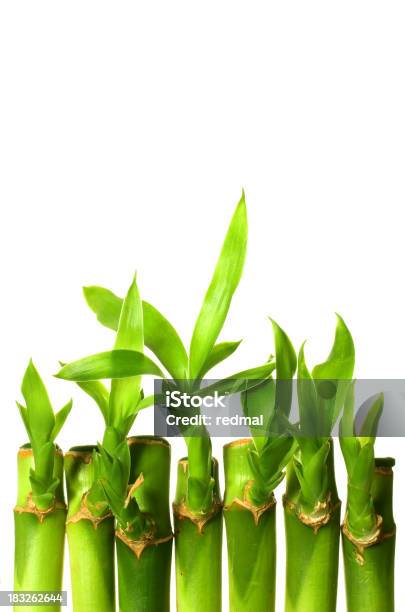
x=39 y=535
x=312 y=548
x=90 y=539
x=198 y=548
x=251 y=536
x=369 y=562
x=144 y=564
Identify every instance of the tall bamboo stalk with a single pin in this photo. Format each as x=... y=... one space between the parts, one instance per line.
x=39 y=534
x=198 y=546
x=251 y=535
x=311 y=503
x=40 y=513
x=253 y=469
x=368 y=531
x=312 y=545
x=90 y=537
x=144 y=562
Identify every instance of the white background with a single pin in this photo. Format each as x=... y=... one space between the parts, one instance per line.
x=127 y=130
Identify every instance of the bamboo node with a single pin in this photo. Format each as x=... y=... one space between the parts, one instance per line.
x=84 y=514
x=200 y=519
x=246 y=504
x=31 y=508
x=138 y=546
x=321 y=515
x=371 y=539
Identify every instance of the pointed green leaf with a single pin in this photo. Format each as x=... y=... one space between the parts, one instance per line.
x=105 y=304
x=370 y=425
x=286 y=364
x=164 y=342
x=219 y=353
x=307 y=399
x=218 y=298
x=60 y=419
x=40 y=414
x=125 y=393
x=340 y=362
x=99 y=393
x=24 y=416
x=241 y=381
x=260 y=400
x=159 y=335
x=145 y=402
x=109 y=364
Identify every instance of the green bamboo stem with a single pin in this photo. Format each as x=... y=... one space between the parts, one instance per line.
x=369 y=562
x=90 y=538
x=39 y=534
x=198 y=548
x=251 y=536
x=144 y=563
x=312 y=548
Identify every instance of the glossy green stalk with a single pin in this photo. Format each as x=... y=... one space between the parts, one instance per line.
x=312 y=549
x=40 y=514
x=90 y=538
x=369 y=569
x=251 y=535
x=39 y=534
x=369 y=528
x=311 y=503
x=144 y=562
x=198 y=547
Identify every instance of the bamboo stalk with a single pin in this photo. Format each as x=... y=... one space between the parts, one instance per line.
x=198 y=547
x=251 y=535
x=39 y=534
x=90 y=538
x=369 y=561
x=312 y=548
x=144 y=563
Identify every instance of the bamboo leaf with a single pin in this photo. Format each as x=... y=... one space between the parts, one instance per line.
x=219 y=353
x=109 y=364
x=218 y=298
x=286 y=364
x=241 y=381
x=24 y=416
x=164 y=342
x=260 y=400
x=159 y=335
x=346 y=428
x=307 y=399
x=340 y=363
x=105 y=304
x=100 y=394
x=145 y=402
x=60 y=419
x=370 y=425
x=40 y=414
x=125 y=393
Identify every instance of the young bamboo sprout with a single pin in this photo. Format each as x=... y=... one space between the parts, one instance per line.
x=101 y=488
x=197 y=508
x=253 y=469
x=311 y=503
x=368 y=530
x=40 y=513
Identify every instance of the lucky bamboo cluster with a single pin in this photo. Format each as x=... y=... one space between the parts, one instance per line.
x=118 y=489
